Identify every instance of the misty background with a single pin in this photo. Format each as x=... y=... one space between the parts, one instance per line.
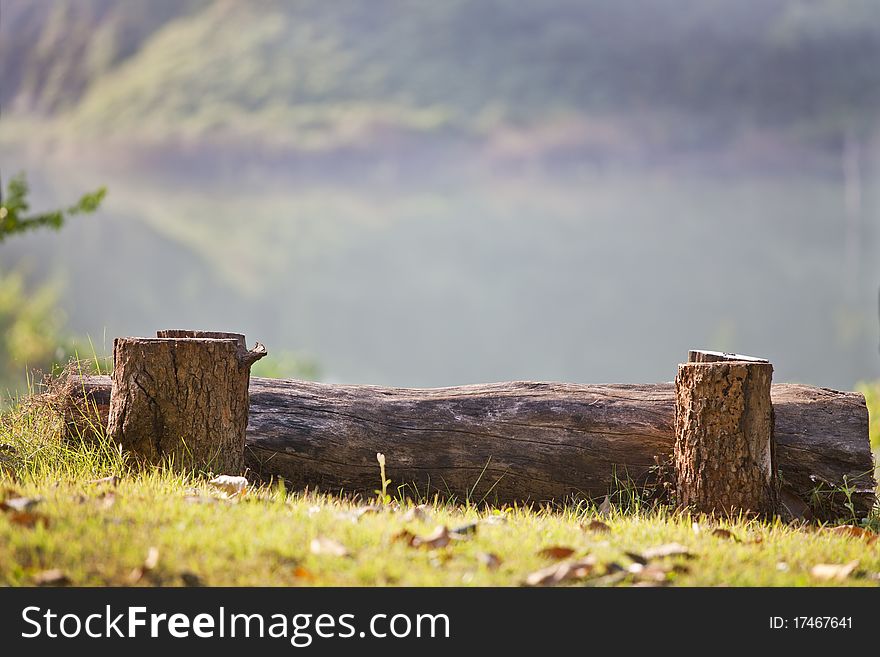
x=437 y=193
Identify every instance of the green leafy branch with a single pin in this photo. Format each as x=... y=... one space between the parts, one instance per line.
x=13 y=211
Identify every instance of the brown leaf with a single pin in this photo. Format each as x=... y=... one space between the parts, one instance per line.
x=53 y=577
x=853 y=531
x=605 y=508
x=637 y=558
x=719 y=532
x=596 y=526
x=667 y=550
x=27 y=519
x=437 y=539
x=20 y=504
x=491 y=561
x=650 y=573
x=562 y=572
x=146 y=568
x=303 y=573
x=328 y=546
x=556 y=552
x=834 y=571
x=404 y=535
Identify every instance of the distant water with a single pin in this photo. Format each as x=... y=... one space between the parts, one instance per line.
x=600 y=276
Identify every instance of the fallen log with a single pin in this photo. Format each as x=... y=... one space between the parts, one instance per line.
x=517 y=441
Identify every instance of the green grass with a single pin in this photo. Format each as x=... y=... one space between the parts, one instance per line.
x=871 y=390
x=101 y=533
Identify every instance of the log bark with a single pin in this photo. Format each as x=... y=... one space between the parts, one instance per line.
x=723 y=452
x=182 y=400
x=538 y=441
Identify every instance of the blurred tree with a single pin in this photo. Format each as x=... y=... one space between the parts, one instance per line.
x=31 y=324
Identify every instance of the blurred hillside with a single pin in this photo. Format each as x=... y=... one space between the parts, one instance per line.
x=314 y=75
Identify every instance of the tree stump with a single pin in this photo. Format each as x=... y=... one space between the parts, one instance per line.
x=181 y=399
x=724 y=453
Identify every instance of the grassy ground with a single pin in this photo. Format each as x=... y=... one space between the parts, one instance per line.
x=160 y=528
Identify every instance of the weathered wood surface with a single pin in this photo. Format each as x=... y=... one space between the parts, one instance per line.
x=706 y=356
x=182 y=398
x=724 y=449
x=535 y=441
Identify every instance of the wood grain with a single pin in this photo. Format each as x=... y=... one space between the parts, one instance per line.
x=520 y=441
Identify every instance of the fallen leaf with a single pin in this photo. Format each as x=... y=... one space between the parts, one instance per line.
x=556 y=552
x=437 y=539
x=491 y=561
x=613 y=577
x=667 y=550
x=191 y=579
x=149 y=564
x=651 y=573
x=303 y=573
x=152 y=559
x=853 y=531
x=833 y=571
x=27 y=519
x=419 y=513
x=596 y=526
x=636 y=557
x=229 y=484
x=53 y=577
x=328 y=546
x=562 y=572
x=719 y=532
x=20 y=504
x=605 y=508
x=404 y=535
x=463 y=531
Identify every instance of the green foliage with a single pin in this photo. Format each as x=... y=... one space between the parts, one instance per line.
x=30 y=327
x=871 y=390
x=287 y=365
x=31 y=324
x=13 y=217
